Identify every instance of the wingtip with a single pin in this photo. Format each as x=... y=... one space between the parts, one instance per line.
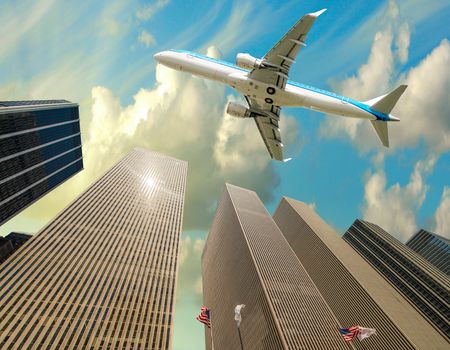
x=286 y=160
x=318 y=13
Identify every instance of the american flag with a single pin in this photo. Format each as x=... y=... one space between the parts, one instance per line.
x=349 y=333
x=205 y=317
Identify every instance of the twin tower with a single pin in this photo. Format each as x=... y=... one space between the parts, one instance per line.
x=102 y=274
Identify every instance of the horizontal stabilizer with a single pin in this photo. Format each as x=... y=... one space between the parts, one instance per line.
x=386 y=103
x=381 y=129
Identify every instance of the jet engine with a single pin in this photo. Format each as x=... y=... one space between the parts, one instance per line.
x=246 y=61
x=238 y=111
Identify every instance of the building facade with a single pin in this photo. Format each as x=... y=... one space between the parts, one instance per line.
x=40 y=148
x=355 y=292
x=10 y=243
x=6 y=249
x=425 y=286
x=432 y=247
x=102 y=274
x=246 y=260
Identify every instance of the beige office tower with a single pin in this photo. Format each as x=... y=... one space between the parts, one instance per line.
x=355 y=292
x=246 y=260
x=102 y=274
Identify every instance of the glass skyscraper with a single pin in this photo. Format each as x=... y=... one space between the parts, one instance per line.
x=425 y=286
x=40 y=147
x=434 y=248
x=355 y=291
x=102 y=274
x=11 y=243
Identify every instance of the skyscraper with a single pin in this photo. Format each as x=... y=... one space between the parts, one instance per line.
x=40 y=148
x=434 y=248
x=246 y=260
x=425 y=286
x=102 y=274
x=355 y=292
x=11 y=243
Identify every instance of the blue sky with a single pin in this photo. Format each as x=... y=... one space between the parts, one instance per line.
x=100 y=55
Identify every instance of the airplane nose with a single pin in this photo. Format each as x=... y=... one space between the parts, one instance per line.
x=157 y=56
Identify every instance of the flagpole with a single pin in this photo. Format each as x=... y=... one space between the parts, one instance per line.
x=210 y=323
x=240 y=337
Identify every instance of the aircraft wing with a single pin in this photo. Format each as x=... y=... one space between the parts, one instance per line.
x=277 y=62
x=267 y=118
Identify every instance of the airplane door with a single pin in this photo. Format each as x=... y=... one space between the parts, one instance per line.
x=344 y=100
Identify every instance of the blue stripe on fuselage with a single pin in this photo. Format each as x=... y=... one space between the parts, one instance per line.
x=364 y=107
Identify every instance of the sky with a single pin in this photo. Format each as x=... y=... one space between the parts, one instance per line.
x=100 y=55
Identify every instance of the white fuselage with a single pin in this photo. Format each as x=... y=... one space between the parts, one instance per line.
x=293 y=95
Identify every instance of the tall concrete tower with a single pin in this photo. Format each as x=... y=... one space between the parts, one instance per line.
x=246 y=260
x=355 y=292
x=102 y=274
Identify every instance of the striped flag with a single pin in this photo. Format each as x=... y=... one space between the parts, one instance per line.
x=349 y=333
x=357 y=331
x=205 y=317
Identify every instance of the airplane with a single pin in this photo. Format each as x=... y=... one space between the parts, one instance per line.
x=266 y=86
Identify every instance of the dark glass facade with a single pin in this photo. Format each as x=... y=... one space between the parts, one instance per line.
x=40 y=147
x=432 y=247
x=6 y=249
x=425 y=286
x=10 y=243
x=356 y=293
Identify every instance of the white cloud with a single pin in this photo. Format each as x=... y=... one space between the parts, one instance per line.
x=442 y=215
x=232 y=153
x=424 y=107
x=394 y=208
x=373 y=77
x=198 y=286
x=233 y=33
x=183 y=117
x=146 y=38
x=392 y=9
x=110 y=27
x=190 y=264
x=312 y=205
x=185 y=244
x=402 y=43
x=146 y=12
x=180 y=116
x=423 y=111
x=13 y=27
